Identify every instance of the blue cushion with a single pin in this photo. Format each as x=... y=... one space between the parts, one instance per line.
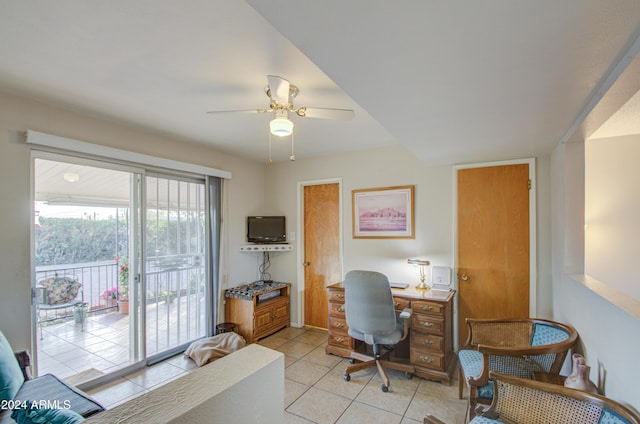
x=479 y=419
x=544 y=334
x=610 y=417
x=471 y=363
x=11 y=377
x=35 y=415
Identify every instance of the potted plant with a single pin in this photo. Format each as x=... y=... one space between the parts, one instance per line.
x=110 y=296
x=80 y=312
x=123 y=278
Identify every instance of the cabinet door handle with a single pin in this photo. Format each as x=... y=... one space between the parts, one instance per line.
x=426 y=359
x=426 y=324
x=426 y=308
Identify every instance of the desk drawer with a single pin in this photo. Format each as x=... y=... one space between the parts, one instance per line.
x=422 y=358
x=428 y=342
x=336 y=296
x=336 y=309
x=338 y=325
x=341 y=340
x=426 y=307
x=426 y=323
x=400 y=304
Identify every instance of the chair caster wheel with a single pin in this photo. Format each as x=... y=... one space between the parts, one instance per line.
x=347 y=377
x=384 y=388
x=352 y=361
x=408 y=375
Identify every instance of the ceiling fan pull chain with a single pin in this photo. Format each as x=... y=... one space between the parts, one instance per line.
x=270 y=149
x=293 y=156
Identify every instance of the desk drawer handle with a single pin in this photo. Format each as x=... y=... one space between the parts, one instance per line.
x=426 y=359
x=426 y=308
x=338 y=324
x=426 y=324
x=339 y=296
x=340 y=339
x=396 y=303
x=340 y=309
x=427 y=342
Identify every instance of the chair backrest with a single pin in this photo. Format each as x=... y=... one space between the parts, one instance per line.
x=368 y=302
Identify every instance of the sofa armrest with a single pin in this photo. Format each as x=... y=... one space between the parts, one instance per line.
x=24 y=360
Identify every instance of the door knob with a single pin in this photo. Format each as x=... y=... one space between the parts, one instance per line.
x=305 y=263
x=464 y=277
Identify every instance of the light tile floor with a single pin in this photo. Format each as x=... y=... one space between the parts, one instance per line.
x=315 y=391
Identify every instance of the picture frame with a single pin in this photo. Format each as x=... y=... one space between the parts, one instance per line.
x=386 y=212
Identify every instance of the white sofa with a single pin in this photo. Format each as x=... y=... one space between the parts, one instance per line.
x=246 y=386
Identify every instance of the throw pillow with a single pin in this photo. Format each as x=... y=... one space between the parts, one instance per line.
x=45 y=416
x=11 y=377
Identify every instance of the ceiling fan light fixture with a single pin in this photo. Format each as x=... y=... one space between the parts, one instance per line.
x=281 y=126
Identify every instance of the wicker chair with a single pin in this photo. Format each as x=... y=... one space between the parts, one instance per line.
x=524 y=401
x=518 y=347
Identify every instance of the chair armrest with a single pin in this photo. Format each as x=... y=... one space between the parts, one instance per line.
x=406 y=313
x=430 y=419
x=406 y=317
x=24 y=360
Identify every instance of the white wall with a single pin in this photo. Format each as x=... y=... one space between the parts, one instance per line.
x=19 y=114
x=612 y=215
x=384 y=167
x=609 y=337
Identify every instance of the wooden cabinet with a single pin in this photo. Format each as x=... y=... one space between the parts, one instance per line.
x=259 y=310
x=431 y=334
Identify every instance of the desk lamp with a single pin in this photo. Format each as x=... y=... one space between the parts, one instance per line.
x=421 y=263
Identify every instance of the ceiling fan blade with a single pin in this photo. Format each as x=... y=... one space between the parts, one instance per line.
x=279 y=88
x=326 y=113
x=241 y=111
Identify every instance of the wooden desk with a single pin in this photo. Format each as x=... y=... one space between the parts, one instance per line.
x=431 y=334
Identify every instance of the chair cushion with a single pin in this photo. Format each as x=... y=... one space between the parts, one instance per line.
x=49 y=387
x=479 y=419
x=60 y=290
x=544 y=334
x=11 y=377
x=610 y=417
x=45 y=416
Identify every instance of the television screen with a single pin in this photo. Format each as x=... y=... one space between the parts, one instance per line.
x=266 y=229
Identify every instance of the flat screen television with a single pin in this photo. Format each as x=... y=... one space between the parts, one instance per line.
x=266 y=229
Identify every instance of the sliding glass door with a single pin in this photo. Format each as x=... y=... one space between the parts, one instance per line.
x=122 y=259
x=175 y=258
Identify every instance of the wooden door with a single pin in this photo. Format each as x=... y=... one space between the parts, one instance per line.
x=493 y=243
x=321 y=250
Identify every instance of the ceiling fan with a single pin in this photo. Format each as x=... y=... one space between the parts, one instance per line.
x=281 y=94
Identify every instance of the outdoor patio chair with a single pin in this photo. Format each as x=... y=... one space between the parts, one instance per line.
x=55 y=293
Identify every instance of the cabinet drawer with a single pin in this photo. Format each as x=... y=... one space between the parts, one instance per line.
x=338 y=325
x=336 y=296
x=422 y=358
x=340 y=340
x=428 y=342
x=426 y=323
x=400 y=304
x=426 y=307
x=336 y=309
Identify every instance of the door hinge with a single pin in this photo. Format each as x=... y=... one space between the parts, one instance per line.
x=529 y=184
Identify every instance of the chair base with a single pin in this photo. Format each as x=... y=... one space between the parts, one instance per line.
x=380 y=361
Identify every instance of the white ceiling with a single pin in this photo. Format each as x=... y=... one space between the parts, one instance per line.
x=453 y=81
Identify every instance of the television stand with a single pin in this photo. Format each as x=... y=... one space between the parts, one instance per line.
x=259 y=309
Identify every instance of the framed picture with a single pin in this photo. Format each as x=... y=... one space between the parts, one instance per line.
x=383 y=212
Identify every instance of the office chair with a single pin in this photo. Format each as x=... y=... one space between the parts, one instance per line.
x=371 y=317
